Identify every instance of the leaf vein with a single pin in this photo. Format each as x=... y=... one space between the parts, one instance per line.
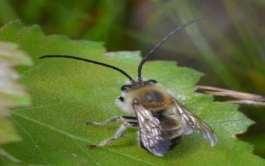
x=74 y=137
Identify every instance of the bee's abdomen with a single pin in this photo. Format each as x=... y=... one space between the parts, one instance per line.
x=161 y=148
x=170 y=128
x=171 y=134
x=164 y=145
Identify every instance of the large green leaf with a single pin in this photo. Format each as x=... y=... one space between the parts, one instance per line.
x=68 y=93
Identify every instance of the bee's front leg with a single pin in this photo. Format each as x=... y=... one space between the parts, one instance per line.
x=119 y=133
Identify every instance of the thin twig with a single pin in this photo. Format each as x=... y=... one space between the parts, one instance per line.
x=238 y=97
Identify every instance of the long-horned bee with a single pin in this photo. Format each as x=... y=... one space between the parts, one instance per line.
x=161 y=120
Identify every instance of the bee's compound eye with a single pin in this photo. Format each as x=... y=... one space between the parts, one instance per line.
x=152 y=81
x=124 y=87
x=121 y=99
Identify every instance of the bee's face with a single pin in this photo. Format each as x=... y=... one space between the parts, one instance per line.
x=149 y=94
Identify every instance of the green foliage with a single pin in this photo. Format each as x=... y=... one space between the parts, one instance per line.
x=227 y=42
x=96 y=20
x=12 y=94
x=67 y=93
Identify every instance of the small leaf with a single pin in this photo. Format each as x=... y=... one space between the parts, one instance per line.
x=12 y=93
x=68 y=93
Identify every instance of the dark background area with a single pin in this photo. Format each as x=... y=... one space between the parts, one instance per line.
x=228 y=44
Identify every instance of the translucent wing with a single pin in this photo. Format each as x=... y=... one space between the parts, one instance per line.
x=150 y=132
x=193 y=123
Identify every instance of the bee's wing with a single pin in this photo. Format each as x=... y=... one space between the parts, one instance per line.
x=150 y=132
x=194 y=123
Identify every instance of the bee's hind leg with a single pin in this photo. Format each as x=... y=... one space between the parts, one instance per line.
x=119 y=133
x=105 y=122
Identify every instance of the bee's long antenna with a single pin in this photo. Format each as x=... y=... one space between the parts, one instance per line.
x=90 y=61
x=160 y=43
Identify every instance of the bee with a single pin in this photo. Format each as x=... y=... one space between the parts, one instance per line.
x=161 y=120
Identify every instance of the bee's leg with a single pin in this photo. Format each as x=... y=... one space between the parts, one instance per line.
x=131 y=120
x=105 y=122
x=119 y=133
x=124 y=119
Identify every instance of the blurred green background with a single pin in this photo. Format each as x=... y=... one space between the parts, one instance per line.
x=228 y=45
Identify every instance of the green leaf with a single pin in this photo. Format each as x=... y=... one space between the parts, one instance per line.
x=68 y=93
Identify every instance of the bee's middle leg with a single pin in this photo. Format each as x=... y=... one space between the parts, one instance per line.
x=131 y=120
x=127 y=122
x=119 y=133
x=105 y=122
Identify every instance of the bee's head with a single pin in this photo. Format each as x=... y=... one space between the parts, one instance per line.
x=147 y=93
x=127 y=90
x=135 y=85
